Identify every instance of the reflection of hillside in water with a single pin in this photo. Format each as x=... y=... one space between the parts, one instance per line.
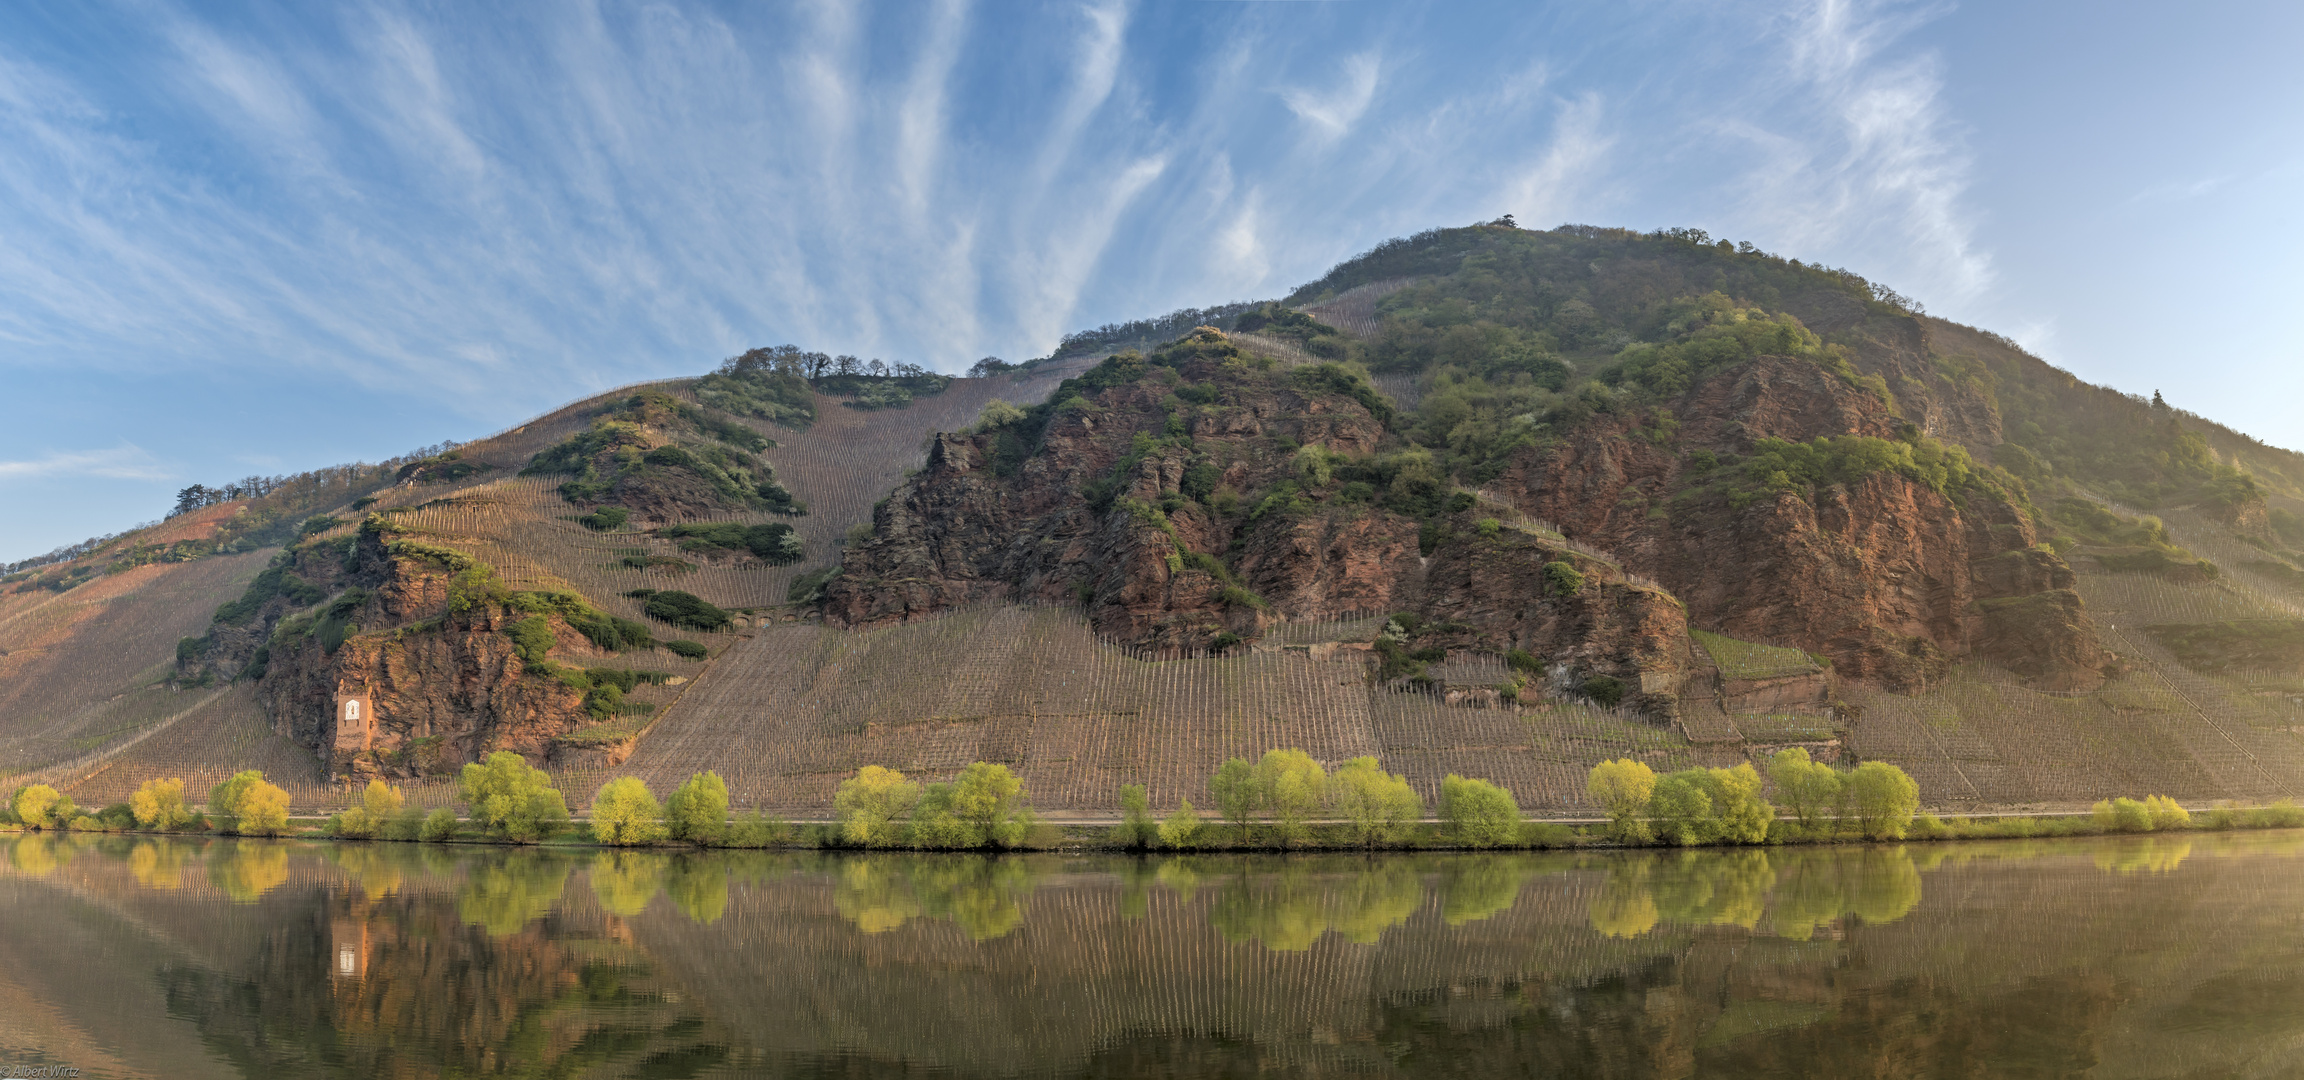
x=286 y=959
x=2128 y=956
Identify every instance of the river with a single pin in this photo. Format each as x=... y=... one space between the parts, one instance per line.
x=2175 y=955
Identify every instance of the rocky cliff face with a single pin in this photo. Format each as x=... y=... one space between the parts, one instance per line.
x=1097 y=515
x=439 y=686
x=1193 y=500
x=1881 y=571
x=1498 y=588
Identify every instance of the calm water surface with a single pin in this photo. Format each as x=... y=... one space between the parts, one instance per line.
x=2140 y=957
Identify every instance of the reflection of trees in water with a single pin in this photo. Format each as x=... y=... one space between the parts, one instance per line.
x=1817 y=886
x=1177 y=874
x=158 y=864
x=2031 y=960
x=2142 y=854
x=423 y=973
x=1287 y=904
x=503 y=894
x=1626 y=905
x=1798 y=891
x=699 y=886
x=39 y=854
x=247 y=869
x=378 y=868
x=625 y=881
x=1725 y=888
x=983 y=895
x=1476 y=887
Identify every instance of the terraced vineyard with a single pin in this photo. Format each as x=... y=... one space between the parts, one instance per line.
x=1750 y=660
x=792 y=711
x=80 y=670
x=1354 y=310
x=2160 y=727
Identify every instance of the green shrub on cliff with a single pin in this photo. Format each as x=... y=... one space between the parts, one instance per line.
x=532 y=638
x=773 y=543
x=752 y=389
x=685 y=609
x=2253 y=645
x=1606 y=691
x=1777 y=465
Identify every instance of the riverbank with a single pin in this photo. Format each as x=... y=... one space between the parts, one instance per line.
x=1107 y=834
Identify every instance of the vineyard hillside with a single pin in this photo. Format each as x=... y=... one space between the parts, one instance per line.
x=1484 y=501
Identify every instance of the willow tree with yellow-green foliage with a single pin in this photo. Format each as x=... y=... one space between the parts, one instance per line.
x=1477 y=813
x=159 y=805
x=697 y=812
x=1807 y=788
x=1622 y=788
x=248 y=805
x=379 y=805
x=873 y=804
x=38 y=806
x=1380 y=807
x=1881 y=800
x=1711 y=806
x=625 y=812
x=515 y=800
x=1291 y=787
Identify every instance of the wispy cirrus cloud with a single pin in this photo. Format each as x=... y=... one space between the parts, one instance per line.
x=1333 y=111
x=486 y=211
x=407 y=198
x=124 y=462
x=1857 y=152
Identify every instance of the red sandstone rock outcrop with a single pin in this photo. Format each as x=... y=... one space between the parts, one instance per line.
x=440 y=687
x=1888 y=576
x=1098 y=516
x=1883 y=574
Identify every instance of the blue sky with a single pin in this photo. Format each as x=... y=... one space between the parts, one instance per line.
x=241 y=239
